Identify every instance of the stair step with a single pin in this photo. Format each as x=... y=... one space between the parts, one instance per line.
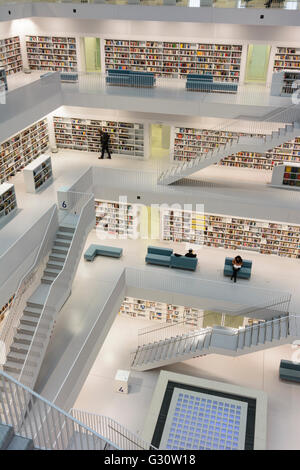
x=25 y=339
x=254 y=336
x=16 y=357
x=59 y=249
x=54 y=264
x=31 y=305
x=6 y=435
x=57 y=257
x=14 y=367
x=63 y=228
x=248 y=337
x=50 y=272
x=269 y=331
x=29 y=320
x=26 y=329
x=262 y=333
x=284 y=327
x=20 y=443
x=62 y=242
x=32 y=311
x=47 y=280
x=22 y=348
x=64 y=235
x=241 y=339
x=276 y=329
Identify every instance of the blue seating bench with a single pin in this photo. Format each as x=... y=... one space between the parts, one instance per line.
x=130 y=78
x=68 y=77
x=103 y=250
x=205 y=83
x=243 y=273
x=165 y=257
x=289 y=370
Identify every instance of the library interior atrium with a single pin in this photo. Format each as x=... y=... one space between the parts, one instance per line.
x=150 y=301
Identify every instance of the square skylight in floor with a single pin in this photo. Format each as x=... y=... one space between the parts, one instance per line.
x=204 y=422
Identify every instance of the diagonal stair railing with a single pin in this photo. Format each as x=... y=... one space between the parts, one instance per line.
x=255 y=140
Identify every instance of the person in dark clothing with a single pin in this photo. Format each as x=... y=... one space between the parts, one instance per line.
x=104 y=139
x=268 y=3
x=191 y=254
x=237 y=263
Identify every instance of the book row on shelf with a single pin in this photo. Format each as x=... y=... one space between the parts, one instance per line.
x=117 y=218
x=5 y=308
x=23 y=148
x=8 y=201
x=10 y=55
x=51 y=53
x=265 y=237
x=190 y=143
x=84 y=134
x=286 y=58
x=175 y=59
x=159 y=311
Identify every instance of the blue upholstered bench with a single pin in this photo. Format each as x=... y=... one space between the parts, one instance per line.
x=68 y=77
x=289 y=370
x=205 y=83
x=130 y=78
x=157 y=255
x=243 y=273
x=103 y=250
x=183 y=262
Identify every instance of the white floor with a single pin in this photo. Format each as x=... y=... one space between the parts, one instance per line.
x=257 y=370
x=248 y=94
x=93 y=283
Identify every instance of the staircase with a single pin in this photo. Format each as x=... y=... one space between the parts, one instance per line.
x=35 y=304
x=216 y=340
x=242 y=144
x=11 y=441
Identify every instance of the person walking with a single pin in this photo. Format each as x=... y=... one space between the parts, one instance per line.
x=237 y=263
x=104 y=139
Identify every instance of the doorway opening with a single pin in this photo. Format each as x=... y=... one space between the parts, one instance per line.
x=159 y=141
x=257 y=63
x=92 y=54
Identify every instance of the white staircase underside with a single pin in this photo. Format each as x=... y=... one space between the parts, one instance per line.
x=244 y=144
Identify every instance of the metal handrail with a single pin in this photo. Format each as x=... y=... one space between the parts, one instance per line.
x=36 y=418
x=235 y=140
x=61 y=283
x=150 y=329
x=16 y=312
x=200 y=332
x=117 y=433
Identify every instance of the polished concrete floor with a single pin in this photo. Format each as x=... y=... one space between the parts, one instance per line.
x=92 y=286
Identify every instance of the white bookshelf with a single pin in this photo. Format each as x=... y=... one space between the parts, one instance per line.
x=10 y=55
x=38 y=174
x=22 y=148
x=54 y=53
x=226 y=231
x=8 y=201
x=126 y=138
x=175 y=59
x=161 y=312
x=287 y=58
x=5 y=308
x=117 y=219
x=190 y=143
x=286 y=176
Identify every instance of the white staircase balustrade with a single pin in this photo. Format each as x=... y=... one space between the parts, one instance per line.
x=34 y=418
x=217 y=340
x=29 y=283
x=111 y=430
x=60 y=287
x=241 y=144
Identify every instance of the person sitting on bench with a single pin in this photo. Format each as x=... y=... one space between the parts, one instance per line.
x=237 y=263
x=189 y=254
